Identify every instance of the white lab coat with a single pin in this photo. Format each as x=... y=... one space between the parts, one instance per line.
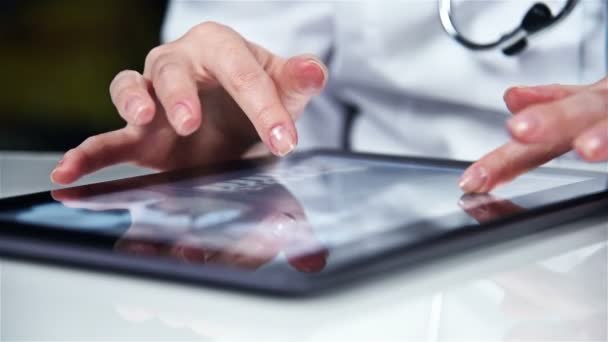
x=416 y=91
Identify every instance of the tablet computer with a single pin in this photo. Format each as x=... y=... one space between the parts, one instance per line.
x=289 y=226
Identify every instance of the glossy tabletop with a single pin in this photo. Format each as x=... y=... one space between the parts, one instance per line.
x=550 y=286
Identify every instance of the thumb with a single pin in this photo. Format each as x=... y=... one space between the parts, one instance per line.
x=519 y=98
x=298 y=80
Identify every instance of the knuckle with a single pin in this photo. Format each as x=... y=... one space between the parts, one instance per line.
x=84 y=156
x=90 y=142
x=93 y=151
x=207 y=28
x=155 y=54
x=172 y=83
x=172 y=97
x=560 y=92
x=164 y=70
x=264 y=116
x=592 y=102
x=245 y=80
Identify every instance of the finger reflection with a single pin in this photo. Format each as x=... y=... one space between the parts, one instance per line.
x=203 y=228
x=485 y=207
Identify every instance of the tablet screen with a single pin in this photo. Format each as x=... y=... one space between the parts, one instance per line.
x=306 y=213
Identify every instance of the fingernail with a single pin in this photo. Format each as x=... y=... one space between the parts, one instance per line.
x=282 y=141
x=185 y=120
x=521 y=126
x=59 y=163
x=590 y=146
x=53 y=175
x=142 y=116
x=473 y=179
x=313 y=75
x=135 y=107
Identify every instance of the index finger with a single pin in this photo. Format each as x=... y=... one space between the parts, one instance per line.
x=236 y=68
x=130 y=95
x=507 y=162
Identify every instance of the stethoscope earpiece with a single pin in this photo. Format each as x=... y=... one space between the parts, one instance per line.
x=538 y=18
x=516 y=48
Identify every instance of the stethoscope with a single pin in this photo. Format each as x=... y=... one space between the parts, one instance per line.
x=537 y=19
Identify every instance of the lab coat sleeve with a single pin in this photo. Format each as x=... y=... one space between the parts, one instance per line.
x=286 y=28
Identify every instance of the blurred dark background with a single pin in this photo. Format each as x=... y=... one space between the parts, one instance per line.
x=57 y=59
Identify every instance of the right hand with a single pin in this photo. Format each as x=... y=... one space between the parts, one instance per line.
x=206 y=97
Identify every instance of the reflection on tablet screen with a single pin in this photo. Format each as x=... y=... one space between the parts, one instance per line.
x=296 y=212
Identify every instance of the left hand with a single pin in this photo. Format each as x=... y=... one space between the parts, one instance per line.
x=549 y=121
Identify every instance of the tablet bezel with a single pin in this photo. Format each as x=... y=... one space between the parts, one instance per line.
x=94 y=251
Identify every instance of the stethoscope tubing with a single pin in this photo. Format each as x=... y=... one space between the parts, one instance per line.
x=446 y=13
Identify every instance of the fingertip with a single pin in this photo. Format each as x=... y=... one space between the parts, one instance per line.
x=53 y=173
x=512 y=99
x=186 y=121
x=591 y=149
x=188 y=126
x=310 y=74
x=132 y=99
x=523 y=128
x=53 y=177
x=475 y=179
x=299 y=79
x=135 y=108
x=63 y=176
x=67 y=169
x=283 y=139
x=521 y=97
x=62 y=195
x=508 y=94
x=143 y=115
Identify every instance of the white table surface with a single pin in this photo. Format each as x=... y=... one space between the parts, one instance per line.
x=545 y=287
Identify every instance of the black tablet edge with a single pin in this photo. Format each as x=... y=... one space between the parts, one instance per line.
x=90 y=260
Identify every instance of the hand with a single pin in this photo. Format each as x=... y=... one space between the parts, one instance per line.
x=549 y=121
x=206 y=97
